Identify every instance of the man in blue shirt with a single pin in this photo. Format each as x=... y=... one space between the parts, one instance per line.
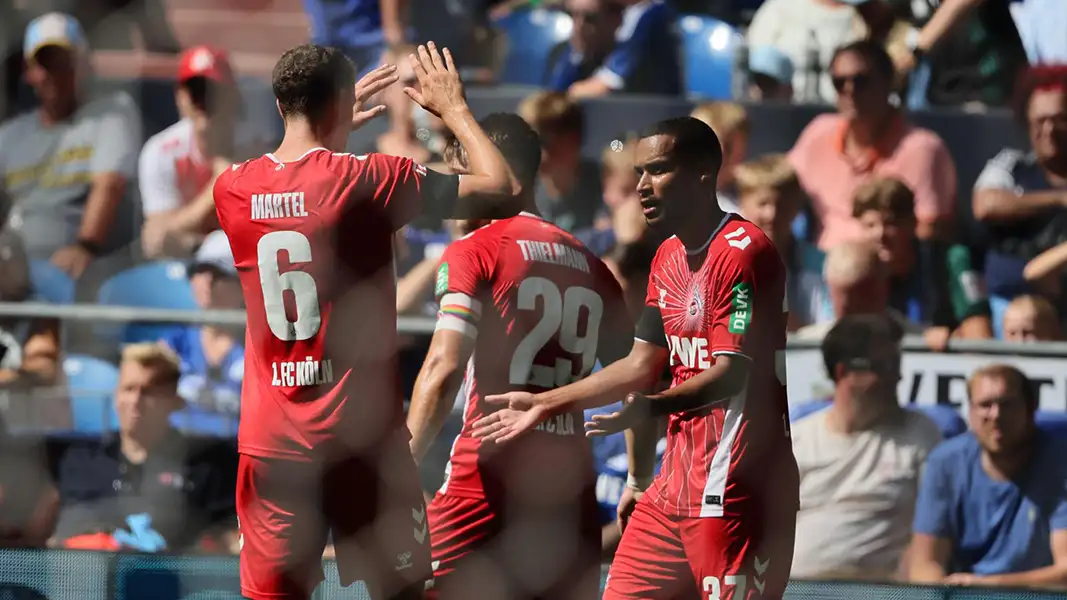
x=992 y=506
x=646 y=58
x=592 y=39
x=363 y=29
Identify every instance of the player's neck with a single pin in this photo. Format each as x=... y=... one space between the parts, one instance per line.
x=299 y=138
x=137 y=448
x=696 y=233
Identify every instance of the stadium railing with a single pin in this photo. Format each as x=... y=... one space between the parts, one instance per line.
x=63 y=574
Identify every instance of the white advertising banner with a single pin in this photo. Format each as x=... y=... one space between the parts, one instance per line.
x=932 y=377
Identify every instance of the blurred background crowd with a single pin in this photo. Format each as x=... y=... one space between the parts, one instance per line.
x=907 y=157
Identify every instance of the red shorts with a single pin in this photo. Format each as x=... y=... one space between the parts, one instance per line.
x=286 y=509
x=484 y=551
x=680 y=558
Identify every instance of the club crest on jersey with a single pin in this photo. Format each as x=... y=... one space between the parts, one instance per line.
x=695 y=305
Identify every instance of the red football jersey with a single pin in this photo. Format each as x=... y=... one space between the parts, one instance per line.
x=312 y=242
x=542 y=308
x=720 y=458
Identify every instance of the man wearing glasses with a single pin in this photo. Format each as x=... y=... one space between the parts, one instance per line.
x=992 y=507
x=860 y=459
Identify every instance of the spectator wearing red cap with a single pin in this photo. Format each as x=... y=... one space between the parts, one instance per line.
x=179 y=164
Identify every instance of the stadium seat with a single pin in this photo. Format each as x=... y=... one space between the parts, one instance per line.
x=947 y=418
x=531 y=34
x=198 y=421
x=155 y=285
x=1054 y=422
x=50 y=283
x=91 y=383
x=799 y=411
x=708 y=47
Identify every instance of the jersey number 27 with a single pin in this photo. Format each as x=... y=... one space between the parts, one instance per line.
x=560 y=319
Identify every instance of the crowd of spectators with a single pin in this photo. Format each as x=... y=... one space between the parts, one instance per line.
x=865 y=210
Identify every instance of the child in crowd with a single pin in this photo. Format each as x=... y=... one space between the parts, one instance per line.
x=1031 y=319
x=769 y=195
x=940 y=289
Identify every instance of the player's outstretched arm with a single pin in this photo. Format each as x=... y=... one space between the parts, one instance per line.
x=436 y=388
x=491 y=190
x=724 y=379
x=638 y=371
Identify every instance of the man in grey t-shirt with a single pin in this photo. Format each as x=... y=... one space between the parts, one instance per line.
x=66 y=164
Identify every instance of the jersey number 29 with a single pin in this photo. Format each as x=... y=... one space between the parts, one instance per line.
x=560 y=320
x=274 y=284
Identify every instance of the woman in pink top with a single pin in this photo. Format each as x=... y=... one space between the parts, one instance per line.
x=869 y=137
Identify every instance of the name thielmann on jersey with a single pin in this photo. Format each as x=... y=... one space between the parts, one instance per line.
x=282 y=205
x=557 y=425
x=554 y=254
x=299 y=373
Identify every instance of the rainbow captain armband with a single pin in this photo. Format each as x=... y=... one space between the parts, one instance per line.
x=459 y=312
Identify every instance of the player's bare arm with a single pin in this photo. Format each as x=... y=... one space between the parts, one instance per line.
x=436 y=387
x=491 y=189
x=638 y=371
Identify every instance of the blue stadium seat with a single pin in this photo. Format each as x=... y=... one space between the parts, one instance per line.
x=198 y=421
x=91 y=383
x=50 y=283
x=708 y=47
x=531 y=34
x=161 y=284
x=799 y=411
x=1054 y=422
x=946 y=417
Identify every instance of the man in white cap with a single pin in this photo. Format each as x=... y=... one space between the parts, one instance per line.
x=178 y=165
x=65 y=165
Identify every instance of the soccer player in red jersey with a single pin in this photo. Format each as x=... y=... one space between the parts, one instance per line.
x=523 y=305
x=322 y=439
x=720 y=518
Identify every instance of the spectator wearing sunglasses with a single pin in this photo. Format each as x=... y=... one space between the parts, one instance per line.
x=992 y=507
x=868 y=137
x=592 y=39
x=860 y=459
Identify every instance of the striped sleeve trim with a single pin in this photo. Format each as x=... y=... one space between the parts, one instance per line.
x=459 y=312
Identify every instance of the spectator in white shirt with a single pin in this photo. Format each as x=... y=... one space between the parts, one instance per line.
x=178 y=165
x=860 y=460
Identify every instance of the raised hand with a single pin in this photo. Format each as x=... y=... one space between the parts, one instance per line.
x=634 y=410
x=440 y=90
x=368 y=87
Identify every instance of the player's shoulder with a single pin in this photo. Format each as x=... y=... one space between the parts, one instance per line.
x=740 y=240
x=237 y=171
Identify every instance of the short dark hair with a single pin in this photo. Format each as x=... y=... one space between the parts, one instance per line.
x=694 y=141
x=517 y=141
x=855 y=337
x=872 y=53
x=307 y=78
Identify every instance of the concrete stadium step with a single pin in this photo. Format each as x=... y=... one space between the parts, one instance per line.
x=253 y=32
x=242 y=5
x=128 y=65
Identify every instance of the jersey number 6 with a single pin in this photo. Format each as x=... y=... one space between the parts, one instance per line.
x=560 y=316
x=274 y=284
